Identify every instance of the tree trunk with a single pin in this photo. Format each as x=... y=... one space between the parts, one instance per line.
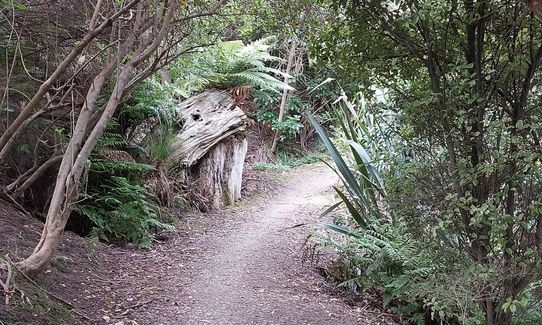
x=82 y=141
x=69 y=175
x=218 y=176
x=285 y=95
x=50 y=236
x=211 y=146
x=207 y=119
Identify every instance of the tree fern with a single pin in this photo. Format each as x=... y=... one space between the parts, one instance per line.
x=232 y=64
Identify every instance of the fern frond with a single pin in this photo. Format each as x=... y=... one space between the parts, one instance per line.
x=125 y=210
x=98 y=164
x=109 y=139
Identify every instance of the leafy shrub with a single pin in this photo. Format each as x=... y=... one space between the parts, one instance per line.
x=422 y=272
x=267 y=113
x=527 y=308
x=265 y=98
x=288 y=128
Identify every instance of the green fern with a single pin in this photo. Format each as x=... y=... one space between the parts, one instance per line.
x=100 y=165
x=110 y=139
x=123 y=210
x=231 y=64
x=114 y=202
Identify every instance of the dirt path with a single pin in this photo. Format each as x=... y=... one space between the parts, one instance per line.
x=244 y=269
x=253 y=275
x=240 y=266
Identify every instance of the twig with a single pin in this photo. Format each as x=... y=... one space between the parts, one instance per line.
x=136 y=306
x=72 y=307
x=5 y=195
x=295 y=226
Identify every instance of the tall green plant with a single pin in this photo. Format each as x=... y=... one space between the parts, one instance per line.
x=115 y=200
x=230 y=64
x=363 y=184
x=462 y=79
x=413 y=273
x=383 y=254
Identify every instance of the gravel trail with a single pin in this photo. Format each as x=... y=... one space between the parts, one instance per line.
x=240 y=266
x=253 y=274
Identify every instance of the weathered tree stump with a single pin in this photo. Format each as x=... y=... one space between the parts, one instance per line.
x=219 y=174
x=211 y=146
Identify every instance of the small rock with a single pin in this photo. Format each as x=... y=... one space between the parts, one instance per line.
x=106 y=318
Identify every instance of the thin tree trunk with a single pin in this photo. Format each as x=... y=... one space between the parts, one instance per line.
x=19 y=123
x=29 y=178
x=489 y=312
x=285 y=95
x=68 y=179
x=79 y=150
x=50 y=236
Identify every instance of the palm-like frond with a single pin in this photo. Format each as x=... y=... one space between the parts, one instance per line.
x=233 y=64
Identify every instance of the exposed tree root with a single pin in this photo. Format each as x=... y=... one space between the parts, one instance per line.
x=8 y=288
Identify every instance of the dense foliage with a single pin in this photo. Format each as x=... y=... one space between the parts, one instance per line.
x=117 y=201
x=439 y=149
x=227 y=65
x=457 y=83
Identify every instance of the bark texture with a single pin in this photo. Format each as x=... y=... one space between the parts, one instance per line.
x=212 y=147
x=219 y=175
x=207 y=119
x=85 y=136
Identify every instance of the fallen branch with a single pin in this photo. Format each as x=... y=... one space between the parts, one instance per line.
x=124 y=313
x=294 y=226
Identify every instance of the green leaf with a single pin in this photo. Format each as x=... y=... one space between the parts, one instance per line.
x=337 y=158
x=353 y=211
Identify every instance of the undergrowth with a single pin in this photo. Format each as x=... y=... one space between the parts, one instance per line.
x=286 y=160
x=124 y=210
x=422 y=274
x=117 y=201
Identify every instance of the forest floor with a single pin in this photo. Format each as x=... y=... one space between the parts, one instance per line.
x=245 y=265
